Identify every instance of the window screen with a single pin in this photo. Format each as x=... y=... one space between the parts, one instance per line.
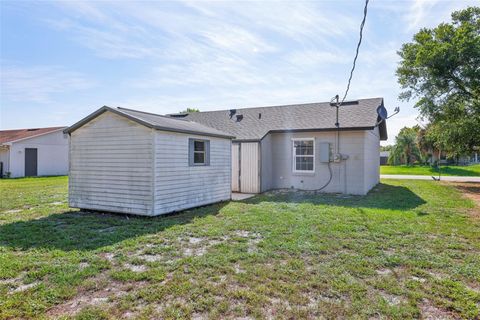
x=303 y=154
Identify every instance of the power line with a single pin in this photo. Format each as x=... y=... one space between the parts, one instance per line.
x=356 y=53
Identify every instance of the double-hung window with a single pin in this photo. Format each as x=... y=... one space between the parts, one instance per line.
x=303 y=155
x=199 y=152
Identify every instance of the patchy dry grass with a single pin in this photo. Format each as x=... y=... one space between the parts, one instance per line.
x=409 y=249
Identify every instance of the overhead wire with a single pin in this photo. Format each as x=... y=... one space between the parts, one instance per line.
x=362 y=25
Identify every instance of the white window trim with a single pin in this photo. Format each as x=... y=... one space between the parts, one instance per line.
x=294 y=159
x=204 y=152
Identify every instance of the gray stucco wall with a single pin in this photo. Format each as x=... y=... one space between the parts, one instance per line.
x=372 y=159
x=347 y=177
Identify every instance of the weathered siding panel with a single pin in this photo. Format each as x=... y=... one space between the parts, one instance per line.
x=348 y=176
x=372 y=159
x=266 y=159
x=111 y=166
x=250 y=167
x=179 y=186
x=236 y=167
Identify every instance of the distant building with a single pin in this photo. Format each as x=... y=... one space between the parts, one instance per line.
x=33 y=152
x=441 y=157
x=384 y=157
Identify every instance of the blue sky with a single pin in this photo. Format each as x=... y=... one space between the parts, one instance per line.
x=62 y=60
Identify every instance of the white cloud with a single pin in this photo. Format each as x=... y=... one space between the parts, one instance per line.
x=222 y=54
x=120 y=42
x=237 y=40
x=429 y=13
x=138 y=30
x=396 y=123
x=39 y=84
x=311 y=58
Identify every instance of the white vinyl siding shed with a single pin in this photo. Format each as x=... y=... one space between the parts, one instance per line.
x=118 y=164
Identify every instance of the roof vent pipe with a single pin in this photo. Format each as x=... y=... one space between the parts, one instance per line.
x=232 y=112
x=239 y=117
x=259 y=115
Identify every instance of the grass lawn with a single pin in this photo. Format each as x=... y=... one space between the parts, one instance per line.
x=473 y=170
x=409 y=249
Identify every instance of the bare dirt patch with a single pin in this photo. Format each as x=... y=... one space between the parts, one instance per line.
x=17 y=284
x=24 y=287
x=254 y=239
x=135 y=267
x=419 y=279
x=107 y=255
x=151 y=257
x=12 y=211
x=470 y=190
x=391 y=299
x=431 y=312
x=94 y=298
x=198 y=246
x=383 y=272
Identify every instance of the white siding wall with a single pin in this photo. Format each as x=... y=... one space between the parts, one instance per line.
x=52 y=153
x=348 y=176
x=111 y=166
x=372 y=159
x=250 y=167
x=266 y=158
x=235 y=167
x=5 y=158
x=179 y=186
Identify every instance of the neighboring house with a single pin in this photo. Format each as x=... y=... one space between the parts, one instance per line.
x=33 y=152
x=441 y=157
x=474 y=158
x=134 y=162
x=384 y=157
x=295 y=146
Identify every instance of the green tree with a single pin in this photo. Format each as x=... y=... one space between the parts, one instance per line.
x=426 y=141
x=405 y=150
x=441 y=68
x=190 y=110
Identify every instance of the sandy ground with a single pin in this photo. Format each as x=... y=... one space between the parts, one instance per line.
x=470 y=190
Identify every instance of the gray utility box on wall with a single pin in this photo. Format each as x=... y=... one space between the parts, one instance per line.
x=324 y=149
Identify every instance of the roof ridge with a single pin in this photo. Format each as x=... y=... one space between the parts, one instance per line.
x=41 y=128
x=153 y=114
x=171 y=118
x=278 y=106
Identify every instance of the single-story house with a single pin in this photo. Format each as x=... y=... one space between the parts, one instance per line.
x=129 y=161
x=33 y=152
x=134 y=162
x=299 y=146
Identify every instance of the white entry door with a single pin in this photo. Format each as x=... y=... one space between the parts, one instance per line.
x=249 y=167
x=235 y=167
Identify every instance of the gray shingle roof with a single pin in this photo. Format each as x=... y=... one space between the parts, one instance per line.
x=257 y=122
x=155 y=121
